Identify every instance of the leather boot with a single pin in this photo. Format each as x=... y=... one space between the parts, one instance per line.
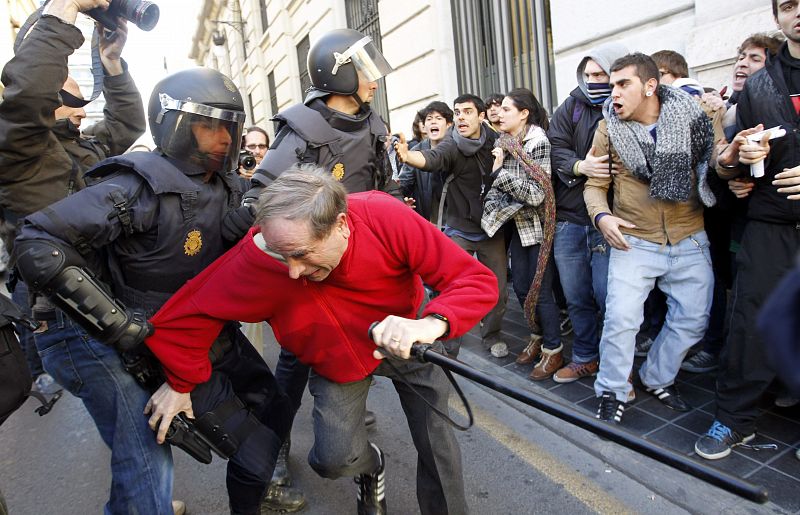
x=531 y=352
x=372 y=488
x=551 y=361
x=282 y=499
x=281 y=475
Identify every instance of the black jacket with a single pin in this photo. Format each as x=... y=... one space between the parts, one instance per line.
x=471 y=179
x=571 y=132
x=41 y=159
x=765 y=99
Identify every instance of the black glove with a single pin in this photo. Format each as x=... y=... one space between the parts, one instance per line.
x=236 y=223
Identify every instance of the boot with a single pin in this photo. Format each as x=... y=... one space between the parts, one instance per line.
x=282 y=499
x=372 y=488
x=531 y=352
x=281 y=475
x=551 y=361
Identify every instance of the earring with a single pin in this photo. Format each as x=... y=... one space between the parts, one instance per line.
x=649 y=94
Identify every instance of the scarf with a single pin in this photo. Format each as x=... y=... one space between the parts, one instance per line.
x=467 y=146
x=683 y=143
x=598 y=92
x=513 y=147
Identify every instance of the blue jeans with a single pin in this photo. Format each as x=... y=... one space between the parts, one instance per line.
x=581 y=255
x=683 y=272
x=141 y=470
x=523 y=269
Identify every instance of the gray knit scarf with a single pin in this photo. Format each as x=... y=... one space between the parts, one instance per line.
x=684 y=140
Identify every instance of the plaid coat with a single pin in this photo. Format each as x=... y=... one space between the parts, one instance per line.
x=515 y=195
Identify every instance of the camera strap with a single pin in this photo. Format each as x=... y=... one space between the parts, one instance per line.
x=68 y=99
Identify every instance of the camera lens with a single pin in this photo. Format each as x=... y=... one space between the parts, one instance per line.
x=145 y=15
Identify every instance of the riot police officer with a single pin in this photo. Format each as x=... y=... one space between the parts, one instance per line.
x=110 y=255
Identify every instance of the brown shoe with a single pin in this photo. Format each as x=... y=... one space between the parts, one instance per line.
x=550 y=362
x=575 y=371
x=531 y=352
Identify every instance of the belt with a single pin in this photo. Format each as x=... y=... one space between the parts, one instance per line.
x=45 y=316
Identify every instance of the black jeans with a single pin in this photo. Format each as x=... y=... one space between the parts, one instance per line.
x=767 y=254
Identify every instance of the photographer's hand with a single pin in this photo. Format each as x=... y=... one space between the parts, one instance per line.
x=111 y=45
x=165 y=405
x=68 y=10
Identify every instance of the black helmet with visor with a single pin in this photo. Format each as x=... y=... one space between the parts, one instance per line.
x=198 y=116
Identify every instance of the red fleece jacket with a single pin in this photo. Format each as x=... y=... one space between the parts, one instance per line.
x=325 y=324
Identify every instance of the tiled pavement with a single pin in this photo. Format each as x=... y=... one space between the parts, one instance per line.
x=778 y=471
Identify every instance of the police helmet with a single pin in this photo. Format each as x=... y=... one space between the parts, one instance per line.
x=198 y=115
x=336 y=58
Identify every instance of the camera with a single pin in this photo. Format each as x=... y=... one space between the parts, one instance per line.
x=247 y=160
x=142 y=13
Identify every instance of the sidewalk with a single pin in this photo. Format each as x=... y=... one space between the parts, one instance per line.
x=778 y=471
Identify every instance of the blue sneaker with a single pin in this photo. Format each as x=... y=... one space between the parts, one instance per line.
x=718 y=441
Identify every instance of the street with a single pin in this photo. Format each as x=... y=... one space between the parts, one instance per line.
x=514 y=462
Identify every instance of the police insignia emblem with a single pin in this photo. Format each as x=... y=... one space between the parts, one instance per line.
x=193 y=243
x=338 y=171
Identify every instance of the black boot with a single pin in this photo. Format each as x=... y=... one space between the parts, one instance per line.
x=282 y=499
x=281 y=476
x=372 y=489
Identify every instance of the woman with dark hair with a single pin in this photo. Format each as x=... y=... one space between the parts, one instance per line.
x=522 y=193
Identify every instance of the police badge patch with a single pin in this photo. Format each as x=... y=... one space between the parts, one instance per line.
x=193 y=243
x=338 y=171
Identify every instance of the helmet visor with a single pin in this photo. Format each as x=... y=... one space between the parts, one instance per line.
x=210 y=143
x=205 y=135
x=367 y=59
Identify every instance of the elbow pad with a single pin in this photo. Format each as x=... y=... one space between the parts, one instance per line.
x=57 y=272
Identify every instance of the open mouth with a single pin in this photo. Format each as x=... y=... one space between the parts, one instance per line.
x=617 y=107
x=462 y=127
x=434 y=131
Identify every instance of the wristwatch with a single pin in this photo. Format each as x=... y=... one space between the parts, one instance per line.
x=445 y=320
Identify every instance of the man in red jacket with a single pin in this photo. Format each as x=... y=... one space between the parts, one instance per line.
x=320 y=267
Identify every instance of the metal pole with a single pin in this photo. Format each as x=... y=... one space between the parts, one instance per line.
x=711 y=475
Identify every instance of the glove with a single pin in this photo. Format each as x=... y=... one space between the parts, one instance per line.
x=237 y=222
x=134 y=333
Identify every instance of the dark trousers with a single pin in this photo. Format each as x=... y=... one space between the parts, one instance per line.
x=292 y=378
x=341 y=447
x=767 y=253
x=241 y=372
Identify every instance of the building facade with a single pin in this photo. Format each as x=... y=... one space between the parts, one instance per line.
x=440 y=48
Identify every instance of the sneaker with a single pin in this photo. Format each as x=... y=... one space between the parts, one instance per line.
x=718 y=441
x=551 y=361
x=281 y=475
x=575 y=371
x=610 y=409
x=372 y=488
x=701 y=362
x=670 y=397
x=643 y=347
x=283 y=499
x=531 y=352
x=46 y=385
x=786 y=401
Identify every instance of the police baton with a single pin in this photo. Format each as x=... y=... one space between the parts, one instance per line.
x=723 y=480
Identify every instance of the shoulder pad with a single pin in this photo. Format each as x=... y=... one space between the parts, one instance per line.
x=308 y=124
x=161 y=175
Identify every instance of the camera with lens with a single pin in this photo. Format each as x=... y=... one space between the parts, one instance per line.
x=142 y=13
x=247 y=160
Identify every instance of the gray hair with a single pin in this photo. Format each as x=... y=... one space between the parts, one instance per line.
x=304 y=192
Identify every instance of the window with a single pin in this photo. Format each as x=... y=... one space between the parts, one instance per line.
x=502 y=45
x=362 y=15
x=262 y=8
x=302 y=63
x=273 y=94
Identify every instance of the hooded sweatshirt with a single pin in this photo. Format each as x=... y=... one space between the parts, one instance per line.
x=571 y=132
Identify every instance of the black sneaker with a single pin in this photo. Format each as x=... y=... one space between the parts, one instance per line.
x=642 y=347
x=610 y=409
x=670 y=398
x=700 y=363
x=372 y=488
x=718 y=441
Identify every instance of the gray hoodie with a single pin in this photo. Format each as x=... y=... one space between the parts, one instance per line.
x=604 y=55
